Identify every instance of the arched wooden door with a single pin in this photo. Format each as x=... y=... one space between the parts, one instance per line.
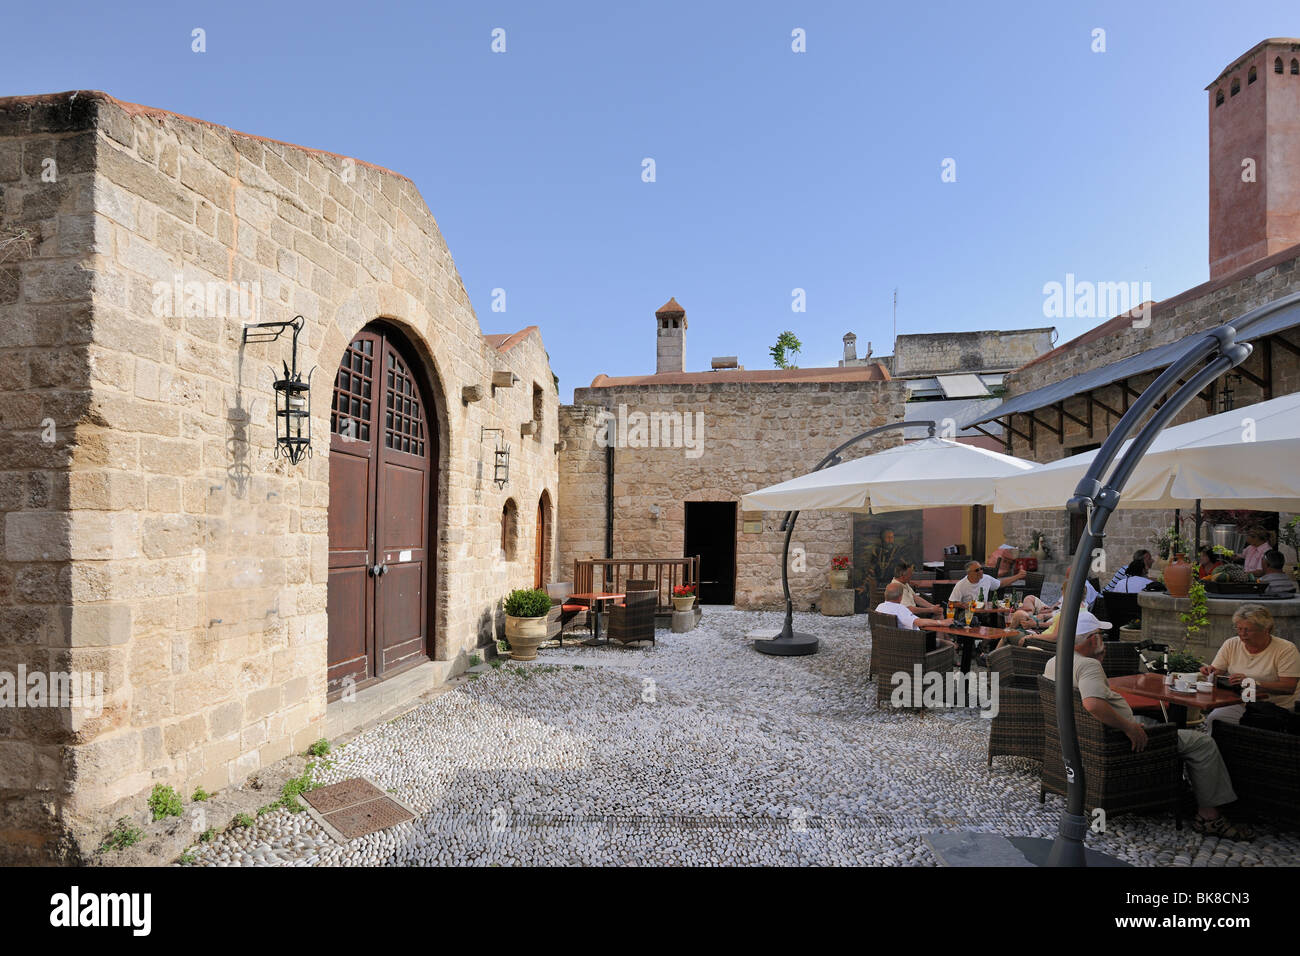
x=543 y=536
x=382 y=450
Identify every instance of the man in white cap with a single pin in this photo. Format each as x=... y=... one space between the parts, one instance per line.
x=1204 y=765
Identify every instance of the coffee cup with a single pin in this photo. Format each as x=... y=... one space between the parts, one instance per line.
x=1181 y=685
x=1204 y=686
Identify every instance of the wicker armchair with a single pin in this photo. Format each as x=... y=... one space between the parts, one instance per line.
x=1117 y=779
x=1119 y=609
x=1017 y=728
x=1265 y=769
x=634 y=619
x=941 y=591
x=876 y=619
x=1032 y=584
x=896 y=649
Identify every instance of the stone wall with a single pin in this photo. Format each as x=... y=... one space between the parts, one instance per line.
x=148 y=532
x=754 y=435
x=937 y=353
x=1203 y=307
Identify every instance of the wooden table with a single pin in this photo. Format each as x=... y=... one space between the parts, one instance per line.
x=966 y=635
x=1154 y=687
x=595 y=598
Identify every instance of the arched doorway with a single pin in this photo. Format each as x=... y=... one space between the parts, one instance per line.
x=383 y=479
x=542 y=547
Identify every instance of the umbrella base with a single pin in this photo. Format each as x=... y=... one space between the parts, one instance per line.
x=784 y=645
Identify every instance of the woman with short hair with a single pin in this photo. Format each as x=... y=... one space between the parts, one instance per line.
x=1256 y=653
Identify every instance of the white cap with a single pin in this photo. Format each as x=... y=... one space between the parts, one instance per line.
x=1004 y=547
x=1088 y=623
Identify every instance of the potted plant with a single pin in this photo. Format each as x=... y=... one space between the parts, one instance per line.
x=1038 y=545
x=526 y=613
x=683 y=597
x=840 y=571
x=1168 y=543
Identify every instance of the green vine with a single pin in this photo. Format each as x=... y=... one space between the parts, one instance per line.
x=1197 y=617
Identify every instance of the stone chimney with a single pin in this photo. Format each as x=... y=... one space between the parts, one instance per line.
x=850 y=347
x=670 y=341
x=1254 y=108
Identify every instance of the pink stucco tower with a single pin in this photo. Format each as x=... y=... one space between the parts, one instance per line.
x=1254 y=108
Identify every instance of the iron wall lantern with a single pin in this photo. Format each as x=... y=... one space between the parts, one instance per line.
x=501 y=458
x=292 y=394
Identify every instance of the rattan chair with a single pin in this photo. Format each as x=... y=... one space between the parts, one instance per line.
x=1119 y=609
x=1116 y=778
x=1032 y=584
x=634 y=619
x=876 y=619
x=895 y=649
x=1016 y=730
x=1264 y=766
x=941 y=591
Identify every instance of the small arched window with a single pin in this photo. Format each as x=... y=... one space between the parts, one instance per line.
x=1251 y=77
x=509 y=530
x=1295 y=67
x=1218 y=98
x=1236 y=86
x=1277 y=65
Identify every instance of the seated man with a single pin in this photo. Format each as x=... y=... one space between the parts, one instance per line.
x=968 y=588
x=1141 y=554
x=910 y=599
x=1278 y=581
x=1200 y=754
x=893 y=604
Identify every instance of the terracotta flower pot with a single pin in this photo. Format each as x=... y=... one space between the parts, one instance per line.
x=524 y=634
x=1178 y=576
x=683 y=603
x=839 y=579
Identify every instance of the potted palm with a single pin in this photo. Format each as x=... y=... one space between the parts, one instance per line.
x=526 y=612
x=684 y=597
x=839 y=576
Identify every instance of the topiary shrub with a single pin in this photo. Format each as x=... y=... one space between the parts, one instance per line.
x=528 y=602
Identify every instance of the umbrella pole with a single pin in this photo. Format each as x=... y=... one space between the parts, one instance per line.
x=1096 y=503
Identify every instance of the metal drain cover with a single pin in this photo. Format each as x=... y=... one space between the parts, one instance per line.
x=354 y=808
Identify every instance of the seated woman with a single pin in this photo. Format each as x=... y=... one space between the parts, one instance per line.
x=1135 y=578
x=1255 y=652
x=1209 y=563
x=1278 y=581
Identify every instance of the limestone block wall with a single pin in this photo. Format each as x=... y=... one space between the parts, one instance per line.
x=147 y=531
x=1203 y=307
x=752 y=436
x=931 y=353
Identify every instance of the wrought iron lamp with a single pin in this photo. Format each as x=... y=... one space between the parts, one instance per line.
x=292 y=394
x=501 y=457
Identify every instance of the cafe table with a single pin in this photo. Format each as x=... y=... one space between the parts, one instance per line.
x=1153 y=687
x=967 y=636
x=596 y=599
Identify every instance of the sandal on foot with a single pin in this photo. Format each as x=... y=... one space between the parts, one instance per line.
x=1221 y=827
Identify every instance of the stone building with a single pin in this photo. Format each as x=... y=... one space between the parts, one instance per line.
x=235 y=606
x=686 y=445
x=1067 y=400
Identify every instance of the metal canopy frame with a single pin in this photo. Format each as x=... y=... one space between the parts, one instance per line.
x=788 y=643
x=1201 y=362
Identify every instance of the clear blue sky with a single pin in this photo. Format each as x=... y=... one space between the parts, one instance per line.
x=775 y=170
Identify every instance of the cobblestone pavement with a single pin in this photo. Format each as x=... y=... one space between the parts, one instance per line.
x=699 y=751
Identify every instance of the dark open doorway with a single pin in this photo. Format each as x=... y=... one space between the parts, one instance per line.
x=711 y=533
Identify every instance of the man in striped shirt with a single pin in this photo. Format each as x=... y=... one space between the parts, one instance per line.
x=1122 y=573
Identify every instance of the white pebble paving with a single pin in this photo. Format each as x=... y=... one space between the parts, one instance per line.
x=735 y=758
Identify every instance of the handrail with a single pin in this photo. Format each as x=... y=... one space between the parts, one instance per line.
x=667 y=573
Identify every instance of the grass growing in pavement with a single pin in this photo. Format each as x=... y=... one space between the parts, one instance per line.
x=124 y=834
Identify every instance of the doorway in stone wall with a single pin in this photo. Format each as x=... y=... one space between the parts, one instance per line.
x=711 y=533
x=383 y=480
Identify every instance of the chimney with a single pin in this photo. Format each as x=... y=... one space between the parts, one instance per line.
x=850 y=347
x=1254 y=110
x=670 y=340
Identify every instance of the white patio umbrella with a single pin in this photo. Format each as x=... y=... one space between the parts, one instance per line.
x=1246 y=458
x=930 y=473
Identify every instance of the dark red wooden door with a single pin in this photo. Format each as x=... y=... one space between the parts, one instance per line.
x=379 y=514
